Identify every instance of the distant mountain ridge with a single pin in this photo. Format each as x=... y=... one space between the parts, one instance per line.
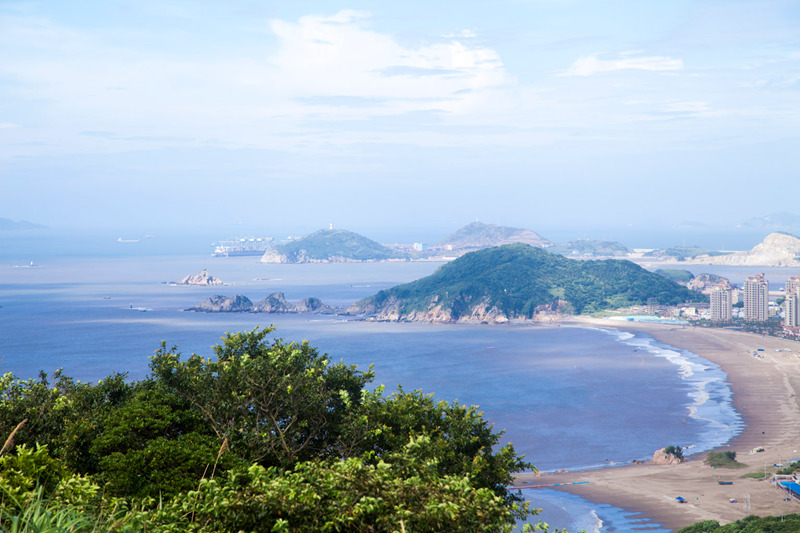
x=782 y=221
x=515 y=281
x=479 y=235
x=329 y=246
x=6 y=224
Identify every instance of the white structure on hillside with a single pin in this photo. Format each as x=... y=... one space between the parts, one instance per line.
x=756 y=298
x=721 y=305
x=791 y=304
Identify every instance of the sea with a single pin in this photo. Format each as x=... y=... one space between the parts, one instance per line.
x=569 y=398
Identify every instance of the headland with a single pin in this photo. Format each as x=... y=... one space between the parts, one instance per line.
x=764 y=393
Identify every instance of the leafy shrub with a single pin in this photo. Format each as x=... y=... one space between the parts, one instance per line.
x=726 y=459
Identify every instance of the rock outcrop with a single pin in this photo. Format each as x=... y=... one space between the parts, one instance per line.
x=661 y=457
x=274 y=303
x=224 y=304
x=706 y=283
x=312 y=305
x=203 y=279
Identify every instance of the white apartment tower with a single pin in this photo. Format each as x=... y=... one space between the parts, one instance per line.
x=791 y=316
x=756 y=298
x=721 y=305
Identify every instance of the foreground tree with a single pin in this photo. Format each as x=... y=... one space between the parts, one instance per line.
x=269 y=436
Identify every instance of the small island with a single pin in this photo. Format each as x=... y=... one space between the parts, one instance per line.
x=330 y=246
x=203 y=279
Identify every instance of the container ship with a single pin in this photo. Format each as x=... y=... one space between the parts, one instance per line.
x=239 y=247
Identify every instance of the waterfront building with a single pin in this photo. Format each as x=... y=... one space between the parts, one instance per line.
x=756 y=298
x=721 y=304
x=791 y=317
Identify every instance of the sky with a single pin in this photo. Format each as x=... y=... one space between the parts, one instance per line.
x=392 y=118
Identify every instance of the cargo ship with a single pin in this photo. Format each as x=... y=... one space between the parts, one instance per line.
x=240 y=247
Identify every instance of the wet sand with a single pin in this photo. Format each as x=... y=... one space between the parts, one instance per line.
x=764 y=393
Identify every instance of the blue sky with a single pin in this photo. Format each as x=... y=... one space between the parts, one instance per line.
x=382 y=116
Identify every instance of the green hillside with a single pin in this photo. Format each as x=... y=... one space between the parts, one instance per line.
x=328 y=244
x=518 y=278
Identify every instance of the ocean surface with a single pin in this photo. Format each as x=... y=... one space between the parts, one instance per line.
x=566 y=397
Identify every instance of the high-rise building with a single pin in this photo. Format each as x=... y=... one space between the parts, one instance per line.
x=756 y=298
x=791 y=317
x=721 y=305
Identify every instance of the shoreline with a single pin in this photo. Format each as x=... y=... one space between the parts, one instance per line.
x=764 y=394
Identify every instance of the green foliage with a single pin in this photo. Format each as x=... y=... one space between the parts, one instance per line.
x=754 y=475
x=268 y=436
x=336 y=495
x=273 y=403
x=789 y=523
x=40 y=516
x=518 y=278
x=726 y=459
x=458 y=437
x=675 y=451
x=791 y=469
x=28 y=471
x=327 y=243
x=738 y=305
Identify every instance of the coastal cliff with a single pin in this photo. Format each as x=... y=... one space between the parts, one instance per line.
x=518 y=281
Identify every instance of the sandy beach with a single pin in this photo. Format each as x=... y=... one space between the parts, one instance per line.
x=764 y=393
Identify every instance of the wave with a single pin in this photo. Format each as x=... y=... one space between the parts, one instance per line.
x=710 y=396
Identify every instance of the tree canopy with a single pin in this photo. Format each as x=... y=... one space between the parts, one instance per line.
x=265 y=436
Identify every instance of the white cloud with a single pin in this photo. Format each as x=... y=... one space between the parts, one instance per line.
x=340 y=56
x=594 y=64
x=8 y=125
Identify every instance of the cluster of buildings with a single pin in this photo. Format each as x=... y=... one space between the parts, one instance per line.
x=755 y=296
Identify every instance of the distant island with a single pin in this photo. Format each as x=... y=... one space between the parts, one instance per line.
x=519 y=281
x=6 y=224
x=203 y=279
x=479 y=235
x=330 y=246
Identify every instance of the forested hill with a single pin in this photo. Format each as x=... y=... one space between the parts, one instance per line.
x=334 y=245
x=517 y=281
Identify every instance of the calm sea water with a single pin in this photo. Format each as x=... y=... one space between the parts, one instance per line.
x=568 y=398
